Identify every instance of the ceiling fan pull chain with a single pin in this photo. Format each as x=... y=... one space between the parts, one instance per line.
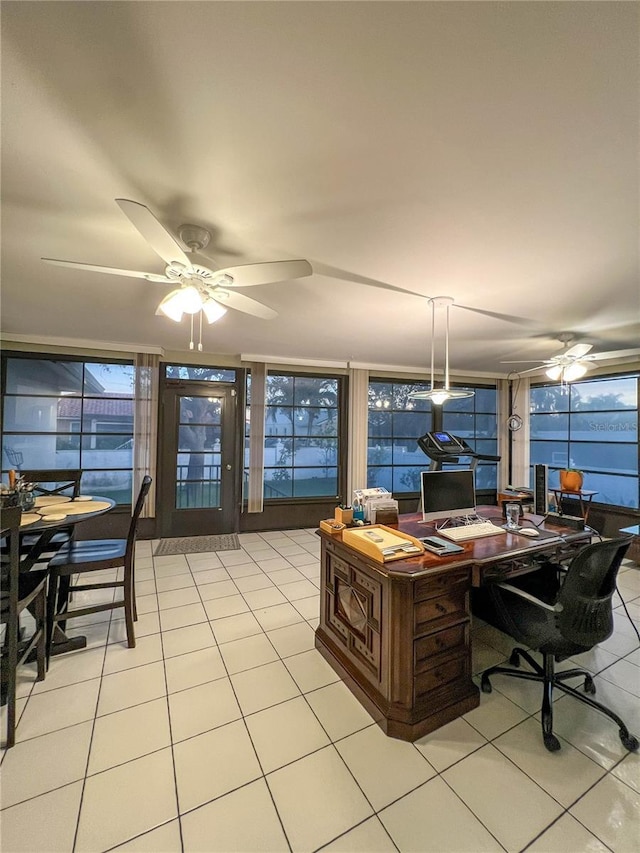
x=200 y=341
x=191 y=339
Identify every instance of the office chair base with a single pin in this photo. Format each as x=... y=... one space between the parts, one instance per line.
x=547 y=676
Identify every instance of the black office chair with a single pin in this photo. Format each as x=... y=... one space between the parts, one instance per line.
x=579 y=617
x=19 y=591
x=92 y=555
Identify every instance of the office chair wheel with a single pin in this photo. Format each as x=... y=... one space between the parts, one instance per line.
x=514 y=660
x=629 y=741
x=589 y=686
x=551 y=742
x=485 y=685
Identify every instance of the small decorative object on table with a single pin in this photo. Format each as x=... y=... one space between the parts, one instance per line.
x=571 y=479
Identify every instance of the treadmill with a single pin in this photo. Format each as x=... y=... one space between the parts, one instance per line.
x=443 y=447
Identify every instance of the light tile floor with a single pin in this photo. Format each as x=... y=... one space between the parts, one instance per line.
x=224 y=730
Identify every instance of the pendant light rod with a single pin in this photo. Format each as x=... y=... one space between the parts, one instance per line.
x=438 y=396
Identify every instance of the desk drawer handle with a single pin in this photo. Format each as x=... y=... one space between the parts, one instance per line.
x=440 y=607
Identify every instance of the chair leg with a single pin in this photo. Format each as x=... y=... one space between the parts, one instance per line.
x=550 y=740
x=50 y=621
x=12 y=675
x=41 y=628
x=64 y=582
x=129 y=607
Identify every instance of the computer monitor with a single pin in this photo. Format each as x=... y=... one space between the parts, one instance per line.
x=447 y=494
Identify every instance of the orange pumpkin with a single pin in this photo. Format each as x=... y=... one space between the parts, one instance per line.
x=571 y=481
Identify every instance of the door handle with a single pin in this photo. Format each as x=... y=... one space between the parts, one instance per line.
x=228 y=467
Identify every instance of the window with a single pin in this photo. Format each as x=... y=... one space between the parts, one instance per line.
x=395 y=423
x=592 y=426
x=60 y=413
x=301 y=455
x=474 y=419
x=202 y=374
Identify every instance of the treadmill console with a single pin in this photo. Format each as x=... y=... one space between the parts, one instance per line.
x=445 y=442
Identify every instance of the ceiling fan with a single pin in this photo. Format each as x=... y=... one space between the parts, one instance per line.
x=200 y=289
x=573 y=362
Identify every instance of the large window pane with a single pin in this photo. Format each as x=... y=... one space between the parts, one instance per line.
x=301 y=436
x=395 y=423
x=590 y=425
x=71 y=414
x=43 y=376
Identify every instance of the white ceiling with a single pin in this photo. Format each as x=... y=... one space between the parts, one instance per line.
x=484 y=151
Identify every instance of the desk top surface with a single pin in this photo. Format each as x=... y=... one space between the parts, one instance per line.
x=485 y=550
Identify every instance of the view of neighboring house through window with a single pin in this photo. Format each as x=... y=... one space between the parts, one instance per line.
x=71 y=414
x=301 y=436
x=394 y=459
x=592 y=426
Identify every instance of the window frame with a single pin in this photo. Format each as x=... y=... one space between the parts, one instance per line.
x=75 y=424
x=567 y=442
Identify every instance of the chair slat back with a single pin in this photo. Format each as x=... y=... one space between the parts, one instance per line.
x=133 y=527
x=10 y=570
x=586 y=595
x=54 y=481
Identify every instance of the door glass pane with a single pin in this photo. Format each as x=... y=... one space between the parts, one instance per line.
x=198 y=464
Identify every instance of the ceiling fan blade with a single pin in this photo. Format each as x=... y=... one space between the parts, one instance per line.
x=578 y=350
x=345 y=275
x=230 y=299
x=507 y=318
x=248 y=275
x=161 y=279
x=621 y=353
x=529 y=370
x=524 y=361
x=156 y=235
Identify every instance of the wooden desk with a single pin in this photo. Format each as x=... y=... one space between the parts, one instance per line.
x=398 y=634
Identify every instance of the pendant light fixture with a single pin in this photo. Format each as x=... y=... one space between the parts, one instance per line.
x=438 y=396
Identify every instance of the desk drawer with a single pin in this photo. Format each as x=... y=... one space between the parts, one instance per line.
x=452 y=604
x=437 y=584
x=429 y=648
x=437 y=677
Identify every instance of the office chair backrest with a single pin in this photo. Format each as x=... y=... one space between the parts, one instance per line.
x=586 y=617
x=133 y=527
x=9 y=587
x=63 y=481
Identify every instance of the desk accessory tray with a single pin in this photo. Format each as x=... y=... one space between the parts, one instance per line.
x=394 y=545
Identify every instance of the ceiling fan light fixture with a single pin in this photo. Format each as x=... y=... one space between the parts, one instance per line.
x=574 y=371
x=554 y=372
x=212 y=310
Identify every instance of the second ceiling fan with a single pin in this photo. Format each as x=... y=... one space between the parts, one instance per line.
x=200 y=289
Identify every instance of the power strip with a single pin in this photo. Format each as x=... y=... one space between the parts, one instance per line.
x=572 y=521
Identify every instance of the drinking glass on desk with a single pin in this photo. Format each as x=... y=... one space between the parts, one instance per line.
x=512 y=512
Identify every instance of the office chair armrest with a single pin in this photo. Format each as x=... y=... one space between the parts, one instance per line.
x=552 y=608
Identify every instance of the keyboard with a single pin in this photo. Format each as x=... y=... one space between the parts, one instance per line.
x=471 y=531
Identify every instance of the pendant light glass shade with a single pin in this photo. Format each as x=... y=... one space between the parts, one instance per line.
x=438 y=396
x=184 y=300
x=212 y=310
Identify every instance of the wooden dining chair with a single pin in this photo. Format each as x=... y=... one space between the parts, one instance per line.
x=19 y=591
x=94 y=555
x=53 y=482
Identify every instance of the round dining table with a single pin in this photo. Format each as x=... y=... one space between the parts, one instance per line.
x=40 y=524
